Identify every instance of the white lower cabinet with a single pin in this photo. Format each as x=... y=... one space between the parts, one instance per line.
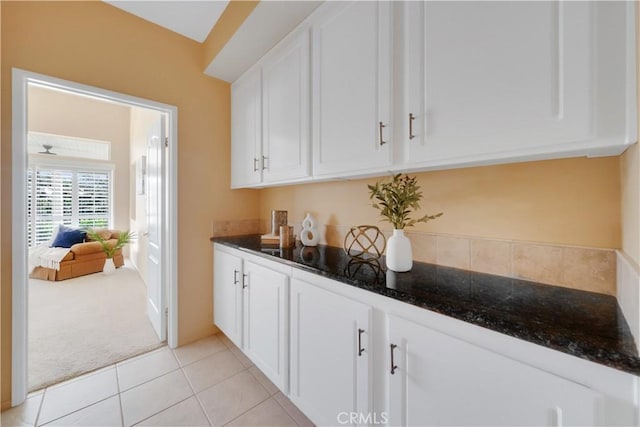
x=440 y=380
x=227 y=295
x=346 y=356
x=330 y=353
x=265 y=321
x=251 y=307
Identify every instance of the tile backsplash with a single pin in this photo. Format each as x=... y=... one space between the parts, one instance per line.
x=588 y=269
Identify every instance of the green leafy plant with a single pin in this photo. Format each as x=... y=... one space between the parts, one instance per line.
x=397 y=199
x=109 y=248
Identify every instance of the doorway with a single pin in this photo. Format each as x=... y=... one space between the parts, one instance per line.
x=161 y=300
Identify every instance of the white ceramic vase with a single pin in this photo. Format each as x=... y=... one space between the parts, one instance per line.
x=109 y=266
x=399 y=255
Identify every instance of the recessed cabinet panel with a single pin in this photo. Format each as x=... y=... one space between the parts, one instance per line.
x=352 y=81
x=265 y=321
x=441 y=380
x=246 y=132
x=286 y=107
x=227 y=295
x=330 y=354
x=497 y=77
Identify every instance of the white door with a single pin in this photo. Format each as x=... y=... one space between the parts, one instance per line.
x=352 y=88
x=330 y=353
x=227 y=295
x=440 y=380
x=266 y=320
x=156 y=185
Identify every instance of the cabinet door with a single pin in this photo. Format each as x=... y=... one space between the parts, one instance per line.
x=286 y=110
x=265 y=322
x=440 y=380
x=246 y=130
x=329 y=372
x=496 y=78
x=227 y=295
x=352 y=83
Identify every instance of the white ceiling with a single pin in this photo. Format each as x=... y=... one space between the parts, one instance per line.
x=193 y=19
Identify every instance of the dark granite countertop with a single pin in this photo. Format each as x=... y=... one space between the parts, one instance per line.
x=583 y=324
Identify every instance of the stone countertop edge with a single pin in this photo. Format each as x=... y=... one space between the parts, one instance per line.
x=580 y=323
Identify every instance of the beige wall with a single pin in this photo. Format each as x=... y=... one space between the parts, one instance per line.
x=141 y=120
x=630 y=179
x=96 y=44
x=61 y=113
x=570 y=201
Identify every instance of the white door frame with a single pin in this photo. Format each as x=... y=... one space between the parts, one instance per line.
x=20 y=81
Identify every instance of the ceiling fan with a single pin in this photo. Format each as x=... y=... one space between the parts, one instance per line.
x=47 y=147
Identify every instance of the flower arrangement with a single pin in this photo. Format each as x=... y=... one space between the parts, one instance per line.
x=397 y=199
x=109 y=249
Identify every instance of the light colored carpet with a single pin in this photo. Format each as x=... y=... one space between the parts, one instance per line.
x=83 y=324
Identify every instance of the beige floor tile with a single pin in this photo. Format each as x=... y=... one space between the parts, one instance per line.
x=104 y=413
x=268 y=413
x=70 y=396
x=154 y=396
x=222 y=337
x=199 y=350
x=143 y=368
x=264 y=381
x=186 y=413
x=232 y=397
x=293 y=411
x=246 y=362
x=23 y=415
x=212 y=369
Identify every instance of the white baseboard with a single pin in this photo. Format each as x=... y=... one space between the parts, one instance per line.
x=628 y=283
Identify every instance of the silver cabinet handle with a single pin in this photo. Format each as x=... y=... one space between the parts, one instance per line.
x=393 y=365
x=264 y=163
x=255 y=164
x=360 y=349
x=411 y=119
x=244 y=280
x=235 y=277
x=382 y=126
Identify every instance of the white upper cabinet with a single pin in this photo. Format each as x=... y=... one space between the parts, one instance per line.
x=487 y=81
x=352 y=83
x=270 y=116
x=285 y=112
x=246 y=132
x=363 y=88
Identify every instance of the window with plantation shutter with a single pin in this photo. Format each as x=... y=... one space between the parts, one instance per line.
x=93 y=199
x=71 y=196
